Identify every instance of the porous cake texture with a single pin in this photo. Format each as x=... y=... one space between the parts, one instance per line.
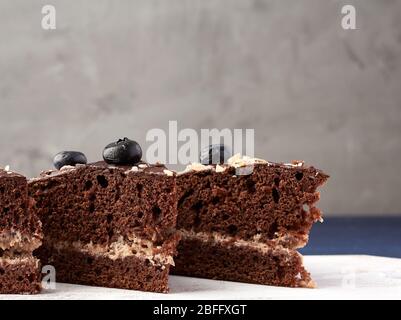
x=107 y=225
x=243 y=221
x=20 y=234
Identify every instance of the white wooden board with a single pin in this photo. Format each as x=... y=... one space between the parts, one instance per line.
x=338 y=277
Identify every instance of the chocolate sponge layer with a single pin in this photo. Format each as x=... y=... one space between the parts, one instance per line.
x=98 y=204
x=125 y=273
x=274 y=202
x=18 y=224
x=19 y=276
x=276 y=266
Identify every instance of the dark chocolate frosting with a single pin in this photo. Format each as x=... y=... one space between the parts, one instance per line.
x=140 y=167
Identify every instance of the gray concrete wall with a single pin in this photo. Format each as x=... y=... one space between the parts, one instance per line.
x=310 y=89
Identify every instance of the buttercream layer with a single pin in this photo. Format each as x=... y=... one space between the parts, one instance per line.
x=290 y=241
x=159 y=255
x=16 y=241
x=24 y=259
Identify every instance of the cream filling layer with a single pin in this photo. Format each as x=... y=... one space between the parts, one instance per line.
x=219 y=238
x=120 y=249
x=13 y=239
x=17 y=260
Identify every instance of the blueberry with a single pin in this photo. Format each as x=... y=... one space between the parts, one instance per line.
x=68 y=158
x=123 y=152
x=215 y=154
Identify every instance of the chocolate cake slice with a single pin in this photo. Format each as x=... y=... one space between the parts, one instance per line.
x=243 y=221
x=108 y=225
x=20 y=234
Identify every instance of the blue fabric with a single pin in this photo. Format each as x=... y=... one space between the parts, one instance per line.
x=374 y=236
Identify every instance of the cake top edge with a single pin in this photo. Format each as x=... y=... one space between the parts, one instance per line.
x=142 y=167
x=236 y=161
x=7 y=172
x=239 y=161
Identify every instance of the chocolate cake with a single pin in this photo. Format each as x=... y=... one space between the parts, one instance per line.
x=108 y=225
x=243 y=221
x=20 y=234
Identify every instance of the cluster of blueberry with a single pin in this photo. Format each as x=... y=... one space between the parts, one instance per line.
x=129 y=152
x=122 y=152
